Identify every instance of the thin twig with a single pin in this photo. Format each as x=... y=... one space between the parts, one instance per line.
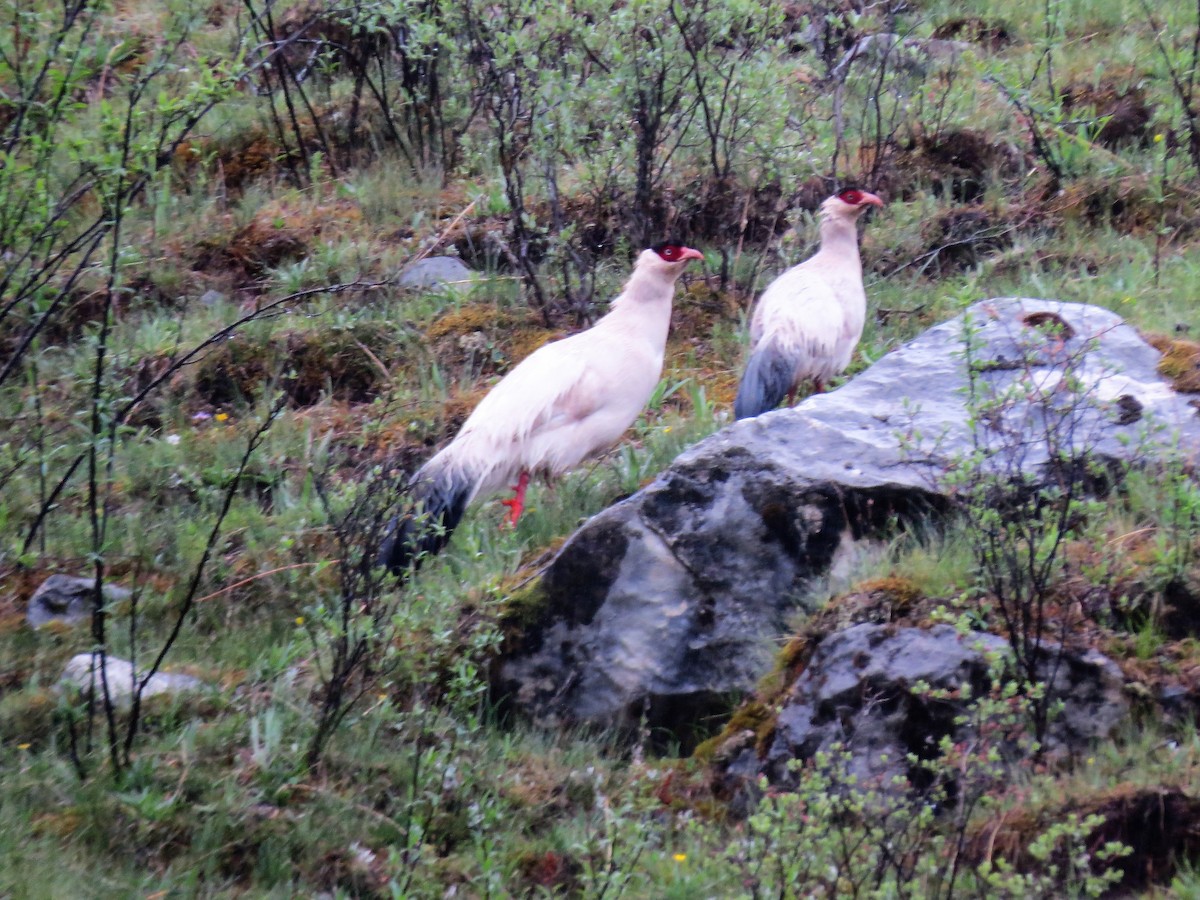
x=238 y=584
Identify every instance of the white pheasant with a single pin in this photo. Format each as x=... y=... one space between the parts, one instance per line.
x=809 y=319
x=567 y=401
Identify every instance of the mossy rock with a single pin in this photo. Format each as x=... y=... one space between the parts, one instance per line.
x=878 y=600
x=523 y=608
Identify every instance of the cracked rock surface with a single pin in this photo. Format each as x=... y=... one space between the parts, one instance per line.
x=666 y=604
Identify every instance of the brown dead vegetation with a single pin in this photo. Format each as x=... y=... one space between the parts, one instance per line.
x=551 y=870
x=963 y=237
x=235 y=160
x=726 y=211
x=280 y=232
x=251 y=251
x=313 y=36
x=699 y=308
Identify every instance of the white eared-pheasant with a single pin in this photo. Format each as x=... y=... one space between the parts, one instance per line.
x=809 y=320
x=567 y=401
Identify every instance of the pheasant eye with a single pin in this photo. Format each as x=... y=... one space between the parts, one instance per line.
x=669 y=252
x=851 y=196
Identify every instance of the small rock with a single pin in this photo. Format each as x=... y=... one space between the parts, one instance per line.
x=856 y=691
x=437 y=273
x=79 y=675
x=67 y=599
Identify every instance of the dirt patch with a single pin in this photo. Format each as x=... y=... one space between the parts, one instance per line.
x=827 y=27
x=991 y=35
x=963 y=237
x=251 y=251
x=347 y=364
x=1160 y=824
x=722 y=210
x=236 y=160
x=965 y=161
x=699 y=308
x=551 y=870
x=1125 y=112
x=19 y=584
x=959 y=164
x=1128 y=205
x=483 y=244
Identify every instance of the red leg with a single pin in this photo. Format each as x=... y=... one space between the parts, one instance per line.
x=819 y=385
x=516 y=503
x=792 y=396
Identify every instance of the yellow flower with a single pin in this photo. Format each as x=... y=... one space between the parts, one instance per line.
x=23 y=746
x=667 y=430
x=221 y=417
x=299 y=620
x=1159 y=138
x=680 y=857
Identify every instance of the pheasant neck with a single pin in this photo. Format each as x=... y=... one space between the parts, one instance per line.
x=839 y=236
x=643 y=307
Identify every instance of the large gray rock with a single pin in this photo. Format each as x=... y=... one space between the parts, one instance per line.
x=68 y=599
x=671 y=600
x=857 y=692
x=83 y=674
x=437 y=273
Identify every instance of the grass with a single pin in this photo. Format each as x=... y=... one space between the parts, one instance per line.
x=426 y=786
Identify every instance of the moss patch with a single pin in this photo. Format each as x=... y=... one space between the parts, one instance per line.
x=487 y=338
x=1180 y=362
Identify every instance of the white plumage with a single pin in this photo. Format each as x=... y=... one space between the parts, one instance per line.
x=565 y=402
x=809 y=320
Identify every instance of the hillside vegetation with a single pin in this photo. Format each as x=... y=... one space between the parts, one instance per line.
x=213 y=385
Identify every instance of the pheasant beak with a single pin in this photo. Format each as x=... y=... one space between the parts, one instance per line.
x=689 y=253
x=869 y=198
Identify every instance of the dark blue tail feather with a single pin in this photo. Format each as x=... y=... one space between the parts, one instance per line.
x=436 y=506
x=766 y=381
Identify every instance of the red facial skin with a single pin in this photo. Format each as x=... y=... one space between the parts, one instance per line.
x=855 y=197
x=677 y=252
